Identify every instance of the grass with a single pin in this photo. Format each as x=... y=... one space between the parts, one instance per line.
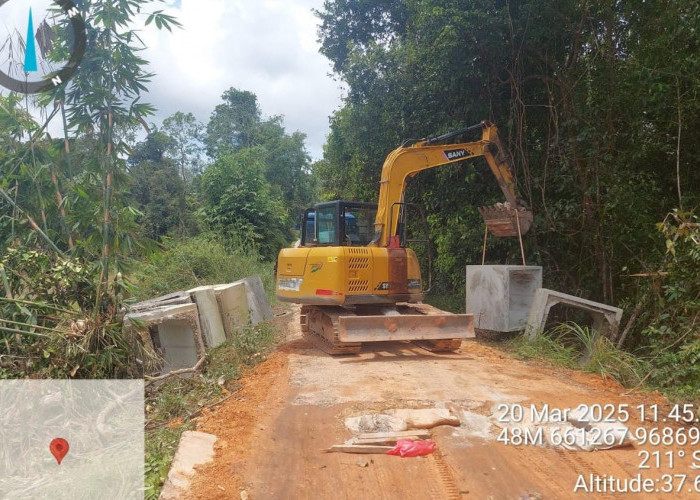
x=542 y=348
x=571 y=345
x=172 y=406
x=203 y=260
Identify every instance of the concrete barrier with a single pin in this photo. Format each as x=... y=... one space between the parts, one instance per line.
x=182 y=325
x=233 y=306
x=606 y=319
x=258 y=305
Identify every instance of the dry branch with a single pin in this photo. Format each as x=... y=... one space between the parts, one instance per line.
x=182 y=371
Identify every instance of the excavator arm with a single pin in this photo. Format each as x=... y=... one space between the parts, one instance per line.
x=405 y=162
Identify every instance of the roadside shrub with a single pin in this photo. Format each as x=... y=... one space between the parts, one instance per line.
x=672 y=318
x=597 y=354
x=49 y=325
x=204 y=260
x=578 y=347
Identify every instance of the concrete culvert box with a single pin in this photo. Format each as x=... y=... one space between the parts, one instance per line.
x=500 y=296
x=174 y=332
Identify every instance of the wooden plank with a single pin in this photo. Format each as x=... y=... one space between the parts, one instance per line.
x=384 y=441
x=349 y=448
x=421 y=433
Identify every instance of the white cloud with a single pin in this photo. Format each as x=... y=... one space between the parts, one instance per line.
x=268 y=48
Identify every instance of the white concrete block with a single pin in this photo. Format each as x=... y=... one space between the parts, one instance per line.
x=257 y=300
x=172 y=331
x=500 y=296
x=606 y=319
x=195 y=448
x=209 y=316
x=233 y=306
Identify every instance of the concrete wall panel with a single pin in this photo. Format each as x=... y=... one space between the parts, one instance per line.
x=233 y=306
x=172 y=331
x=209 y=316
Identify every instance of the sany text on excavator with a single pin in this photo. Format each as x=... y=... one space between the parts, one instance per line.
x=354 y=275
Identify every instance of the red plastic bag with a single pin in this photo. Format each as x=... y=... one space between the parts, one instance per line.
x=410 y=448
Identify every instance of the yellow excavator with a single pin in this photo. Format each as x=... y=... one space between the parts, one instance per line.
x=352 y=272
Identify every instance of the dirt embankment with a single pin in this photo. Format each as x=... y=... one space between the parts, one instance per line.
x=293 y=405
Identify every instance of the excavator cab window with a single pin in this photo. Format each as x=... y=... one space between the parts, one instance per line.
x=326 y=226
x=308 y=228
x=339 y=223
x=358 y=222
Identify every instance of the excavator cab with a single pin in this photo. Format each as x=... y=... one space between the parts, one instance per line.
x=339 y=223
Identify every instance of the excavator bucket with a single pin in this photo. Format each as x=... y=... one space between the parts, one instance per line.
x=504 y=221
x=405 y=327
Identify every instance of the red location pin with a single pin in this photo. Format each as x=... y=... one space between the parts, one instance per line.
x=59 y=448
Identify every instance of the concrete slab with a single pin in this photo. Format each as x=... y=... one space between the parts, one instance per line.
x=164 y=300
x=213 y=332
x=606 y=319
x=233 y=306
x=500 y=296
x=172 y=331
x=258 y=305
x=195 y=448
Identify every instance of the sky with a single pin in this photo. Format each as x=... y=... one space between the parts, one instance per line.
x=267 y=47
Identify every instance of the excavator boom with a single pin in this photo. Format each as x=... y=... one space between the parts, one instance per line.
x=405 y=162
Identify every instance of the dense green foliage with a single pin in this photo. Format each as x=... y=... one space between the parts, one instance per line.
x=84 y=218
x=237 y=125
x=597 y=103
x=45 y=327
x=590 y=98
x=158 y=188
x=64 y=213
x=671 y=310
x=238 y=202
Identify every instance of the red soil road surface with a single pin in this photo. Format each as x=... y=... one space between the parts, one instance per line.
x=293 y=405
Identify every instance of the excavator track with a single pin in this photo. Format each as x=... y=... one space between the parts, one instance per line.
x=320 y=326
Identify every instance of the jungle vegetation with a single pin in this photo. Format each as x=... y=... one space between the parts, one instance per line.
x=596 y=101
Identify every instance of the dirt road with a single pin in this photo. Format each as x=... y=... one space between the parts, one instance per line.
x=294 y=404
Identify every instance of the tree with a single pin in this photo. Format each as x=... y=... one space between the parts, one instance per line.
x=102 y=98
x=239 y=204
x=233 y=124
x=157 y=187
x=187 y=147
x=237 y=125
